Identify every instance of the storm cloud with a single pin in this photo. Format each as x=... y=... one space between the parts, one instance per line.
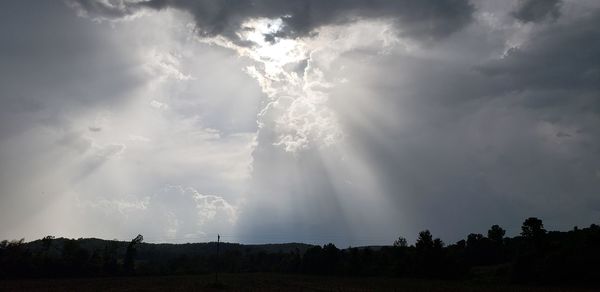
x=421 y=19
x=537 y=10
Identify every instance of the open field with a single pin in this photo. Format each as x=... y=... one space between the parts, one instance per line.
x=260 y=282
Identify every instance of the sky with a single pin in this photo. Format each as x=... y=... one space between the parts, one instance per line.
x=344 y=121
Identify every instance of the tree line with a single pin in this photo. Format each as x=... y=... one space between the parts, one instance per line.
x=534 y=256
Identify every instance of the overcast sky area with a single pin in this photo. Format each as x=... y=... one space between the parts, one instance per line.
x=352 y=122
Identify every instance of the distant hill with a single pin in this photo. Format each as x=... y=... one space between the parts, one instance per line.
x=170 y=249
x=93 y=256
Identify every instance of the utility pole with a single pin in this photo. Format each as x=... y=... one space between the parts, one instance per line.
x=217 y=272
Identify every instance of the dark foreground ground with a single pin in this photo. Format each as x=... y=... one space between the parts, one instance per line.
x=260 y=282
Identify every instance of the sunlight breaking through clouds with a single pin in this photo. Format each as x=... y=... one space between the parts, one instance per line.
x=303 y=118
x=290 y=72
x=297 y=104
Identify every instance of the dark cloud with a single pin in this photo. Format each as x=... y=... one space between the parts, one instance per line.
x=45 y=74
x=482 y=144
x=560 y=59
x=104 y=9
x=537 y=10
x=421 y=19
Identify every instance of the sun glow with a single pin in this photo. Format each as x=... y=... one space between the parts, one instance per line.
x=294 y=73
x=296 y=110
x=267 y=47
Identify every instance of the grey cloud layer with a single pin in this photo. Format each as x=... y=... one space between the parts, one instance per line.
x=558 y=56
x=537 y=10
x=455 y=143
x=422 y=19
x=488 y=142
x=73 y=95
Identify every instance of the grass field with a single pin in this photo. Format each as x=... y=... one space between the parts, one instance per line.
x=260 y=282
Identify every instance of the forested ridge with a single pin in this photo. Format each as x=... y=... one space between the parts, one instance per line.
x=534 y=256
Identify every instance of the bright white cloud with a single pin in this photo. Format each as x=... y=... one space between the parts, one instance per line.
x=158 y=105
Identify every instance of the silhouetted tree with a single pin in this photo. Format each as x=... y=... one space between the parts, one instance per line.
x=47 y=242
x=533 y=228
x=330 y=257
x=400 y=242
x=424 y=241
x=496 y=234
x=495 y=246
x=129 y=263
x=430 y=257
x=15 y=258
x=530 y=260
x=474 y=239
x=438 y=243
